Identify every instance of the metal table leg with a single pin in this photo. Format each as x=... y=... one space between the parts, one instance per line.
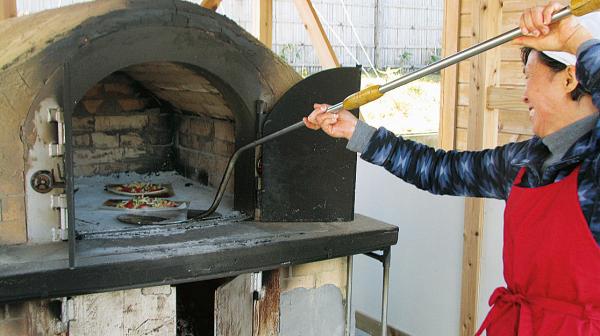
x=349 y=296
x=385 y=259
x=387 y=254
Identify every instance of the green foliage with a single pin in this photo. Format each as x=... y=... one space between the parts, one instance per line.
x=303 y=72
x=290 y=53
x=436 y=56
x=405 y=58
x=415 y=90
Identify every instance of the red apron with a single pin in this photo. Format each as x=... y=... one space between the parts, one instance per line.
x=551 y=265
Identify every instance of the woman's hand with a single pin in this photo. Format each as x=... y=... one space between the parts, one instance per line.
x=337 y=125
x=564 y=35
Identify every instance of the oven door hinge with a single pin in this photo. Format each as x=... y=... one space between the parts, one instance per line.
x=56 y=115
x=60 y=202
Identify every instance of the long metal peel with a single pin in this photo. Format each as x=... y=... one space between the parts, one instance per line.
x=354 y=101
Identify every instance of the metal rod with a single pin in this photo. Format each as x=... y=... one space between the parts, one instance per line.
x=463 y=55
x=387 y=255
x=68 y=162
x=349 y=295
x=434 y=67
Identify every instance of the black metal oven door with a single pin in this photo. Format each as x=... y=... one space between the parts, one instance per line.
x=306 y=175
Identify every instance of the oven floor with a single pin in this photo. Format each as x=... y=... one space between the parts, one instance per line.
x=91 y=217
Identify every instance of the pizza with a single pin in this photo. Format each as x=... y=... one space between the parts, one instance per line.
x=145 y=203
x=137 y=189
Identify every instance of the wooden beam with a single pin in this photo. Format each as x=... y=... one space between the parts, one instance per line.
x=8 y=9
x=372 y=326
x=263 y=22
x=319 y=39
x=211 y=4
x=449 y=85
x=482 y=133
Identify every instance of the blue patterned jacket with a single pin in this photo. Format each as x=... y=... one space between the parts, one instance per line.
x=490 y=173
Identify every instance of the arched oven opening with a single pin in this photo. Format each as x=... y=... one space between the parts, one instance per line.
x=158 y=125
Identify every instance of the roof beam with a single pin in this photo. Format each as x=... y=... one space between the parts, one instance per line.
x=317 y=35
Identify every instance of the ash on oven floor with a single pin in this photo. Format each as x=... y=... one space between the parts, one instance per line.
x=92 y=218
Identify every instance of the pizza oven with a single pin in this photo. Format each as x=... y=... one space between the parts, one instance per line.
x=110 y=93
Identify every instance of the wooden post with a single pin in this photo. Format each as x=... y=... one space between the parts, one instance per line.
x=378 y=33
x=319 y=39
x=8 y=9
x=449 y=83
x=482 y=133
x=263 y=22
x=211 y=4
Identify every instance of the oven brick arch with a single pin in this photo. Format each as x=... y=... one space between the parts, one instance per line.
x=97 y=38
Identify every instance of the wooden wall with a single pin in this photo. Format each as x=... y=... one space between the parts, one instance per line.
x=513 y=117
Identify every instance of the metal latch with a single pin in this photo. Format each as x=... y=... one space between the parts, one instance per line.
x=60 y=202
x=56 y=115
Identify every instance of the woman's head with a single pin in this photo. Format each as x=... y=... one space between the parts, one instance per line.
x=556 y=67
x=551 y=89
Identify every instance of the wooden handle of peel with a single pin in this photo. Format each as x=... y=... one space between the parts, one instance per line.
x=582 y=7
x=362 y=97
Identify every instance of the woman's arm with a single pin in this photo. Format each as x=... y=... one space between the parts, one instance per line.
x=488 y=173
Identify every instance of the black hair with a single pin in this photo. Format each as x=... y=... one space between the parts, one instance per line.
x=556 y=66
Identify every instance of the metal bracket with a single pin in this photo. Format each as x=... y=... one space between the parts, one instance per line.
x=56 y=115
x=56 y=150
x=67 y=314
x=60 y=202
x=258 y=291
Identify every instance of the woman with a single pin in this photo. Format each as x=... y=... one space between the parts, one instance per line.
x=550 y=183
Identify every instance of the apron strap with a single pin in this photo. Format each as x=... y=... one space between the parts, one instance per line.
x=519 y=176
x=503 y=300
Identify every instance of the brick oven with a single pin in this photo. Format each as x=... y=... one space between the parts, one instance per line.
x=116 y=92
